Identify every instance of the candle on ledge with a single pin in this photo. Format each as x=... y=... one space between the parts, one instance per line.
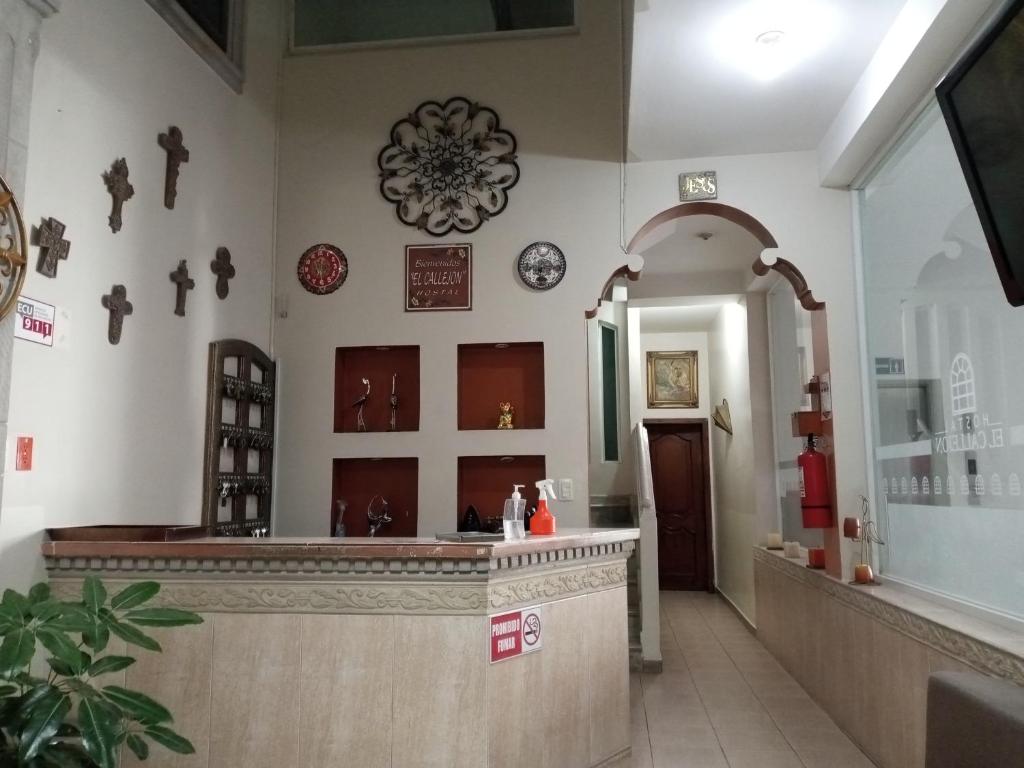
x=773 y=540
x=791 y=548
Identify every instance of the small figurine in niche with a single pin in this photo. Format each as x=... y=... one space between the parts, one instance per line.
x=471 y=520
x=339 y=521
x=505 y=414
x=361 y=403
x=394 y=402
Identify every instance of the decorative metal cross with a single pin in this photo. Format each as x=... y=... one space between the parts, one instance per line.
x=184 y=284
x=119 y=188
x=224 y=271
x=117 y=302
x=177 y=154
x=52 y=246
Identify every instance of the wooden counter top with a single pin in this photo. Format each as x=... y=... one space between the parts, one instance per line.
x=299 y=548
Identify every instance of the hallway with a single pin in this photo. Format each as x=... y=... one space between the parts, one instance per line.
x=723 y=701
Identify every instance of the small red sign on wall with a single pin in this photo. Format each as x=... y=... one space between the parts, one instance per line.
x=515 y=633
x=438 y=277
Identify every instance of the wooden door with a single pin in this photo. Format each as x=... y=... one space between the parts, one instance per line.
x=681 y=478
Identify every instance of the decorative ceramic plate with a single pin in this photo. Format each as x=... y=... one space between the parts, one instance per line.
x=322 y=269
x=542 y=265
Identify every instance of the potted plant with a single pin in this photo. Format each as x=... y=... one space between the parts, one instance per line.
x=55 y=712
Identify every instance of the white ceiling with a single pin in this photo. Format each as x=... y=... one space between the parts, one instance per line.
x=678 y=319
x=689 y=96
x=675 y=247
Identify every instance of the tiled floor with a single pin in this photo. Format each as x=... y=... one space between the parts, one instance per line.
x=723 y=701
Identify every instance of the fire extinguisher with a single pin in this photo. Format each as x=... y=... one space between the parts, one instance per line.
x=815 y=502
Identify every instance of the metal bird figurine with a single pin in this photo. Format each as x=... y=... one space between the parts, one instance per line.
x=394 y=402
x=361 y=402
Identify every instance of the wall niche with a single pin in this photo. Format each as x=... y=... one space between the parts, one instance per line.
x=360 y=481
x=379 y=365
x=486 y=481
x=490 y=374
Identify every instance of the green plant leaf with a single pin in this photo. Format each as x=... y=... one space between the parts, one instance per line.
x=46 y=610
x=61 y=667
x=61 y=646
x=10 y=619
x=16 y=602
x=74 y=617
x=39 y=592
x=138 y=745
x=16 y=651
x=162 y=617
x=82 y=688
x=130 y=634
x=44 y=719
x=94 y=594
x=133 y=595
x=35 y=695
x=110 y=664
x=166 y=737
x=138 y=705
x=97 y=637
x=98 y=722
x=65 y=755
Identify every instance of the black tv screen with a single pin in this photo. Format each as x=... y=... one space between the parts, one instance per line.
x=982 y=100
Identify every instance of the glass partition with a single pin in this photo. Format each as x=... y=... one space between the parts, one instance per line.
x=946 y=363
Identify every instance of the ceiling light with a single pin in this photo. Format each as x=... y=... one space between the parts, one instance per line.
x=767 y=38
x=771 y=37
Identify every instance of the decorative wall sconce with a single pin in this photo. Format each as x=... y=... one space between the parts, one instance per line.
x=721 y=416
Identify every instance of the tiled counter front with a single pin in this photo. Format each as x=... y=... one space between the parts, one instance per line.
x=384 y=662
x=865 y=659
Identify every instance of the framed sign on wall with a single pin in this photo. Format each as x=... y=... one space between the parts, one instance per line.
x=438 y=277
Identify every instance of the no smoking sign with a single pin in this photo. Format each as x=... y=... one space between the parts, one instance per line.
x=513 y=634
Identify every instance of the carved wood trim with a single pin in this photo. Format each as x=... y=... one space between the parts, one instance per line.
x=623 y=271
x=795 y=277
x=722 y=211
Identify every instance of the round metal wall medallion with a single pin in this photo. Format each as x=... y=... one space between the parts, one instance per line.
x=322 y=269
x=542 y=265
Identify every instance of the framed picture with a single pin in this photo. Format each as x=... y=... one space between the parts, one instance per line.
x=438 y=277
x=672 y=379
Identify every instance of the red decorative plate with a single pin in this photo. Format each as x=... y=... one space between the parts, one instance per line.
x=322 y=269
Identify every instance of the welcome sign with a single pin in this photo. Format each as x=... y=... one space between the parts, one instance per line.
x=438 y=277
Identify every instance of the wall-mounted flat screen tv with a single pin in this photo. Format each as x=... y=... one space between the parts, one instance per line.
x=982 y=100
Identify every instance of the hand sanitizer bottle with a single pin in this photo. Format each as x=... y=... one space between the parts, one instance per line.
x=512 y=520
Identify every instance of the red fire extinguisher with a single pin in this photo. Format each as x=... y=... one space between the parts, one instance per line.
x=815 y=501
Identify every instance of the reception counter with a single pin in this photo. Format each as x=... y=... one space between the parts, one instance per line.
x=382 y=652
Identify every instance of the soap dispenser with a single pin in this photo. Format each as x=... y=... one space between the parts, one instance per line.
x=543 y=523
x=514 y=515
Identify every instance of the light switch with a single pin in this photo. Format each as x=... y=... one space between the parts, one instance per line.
x=565 y=490
x=23 y=454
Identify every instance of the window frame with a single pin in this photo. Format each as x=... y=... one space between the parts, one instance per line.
x=230 y=64
x=409 y=42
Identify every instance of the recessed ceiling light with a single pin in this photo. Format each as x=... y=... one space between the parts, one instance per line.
x=767 y=38
x=771 y=37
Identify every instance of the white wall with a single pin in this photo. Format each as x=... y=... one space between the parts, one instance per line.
x=558 y=96
x=813 y=227
x=119 y=429
x=676 y=342
x=732 y=465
